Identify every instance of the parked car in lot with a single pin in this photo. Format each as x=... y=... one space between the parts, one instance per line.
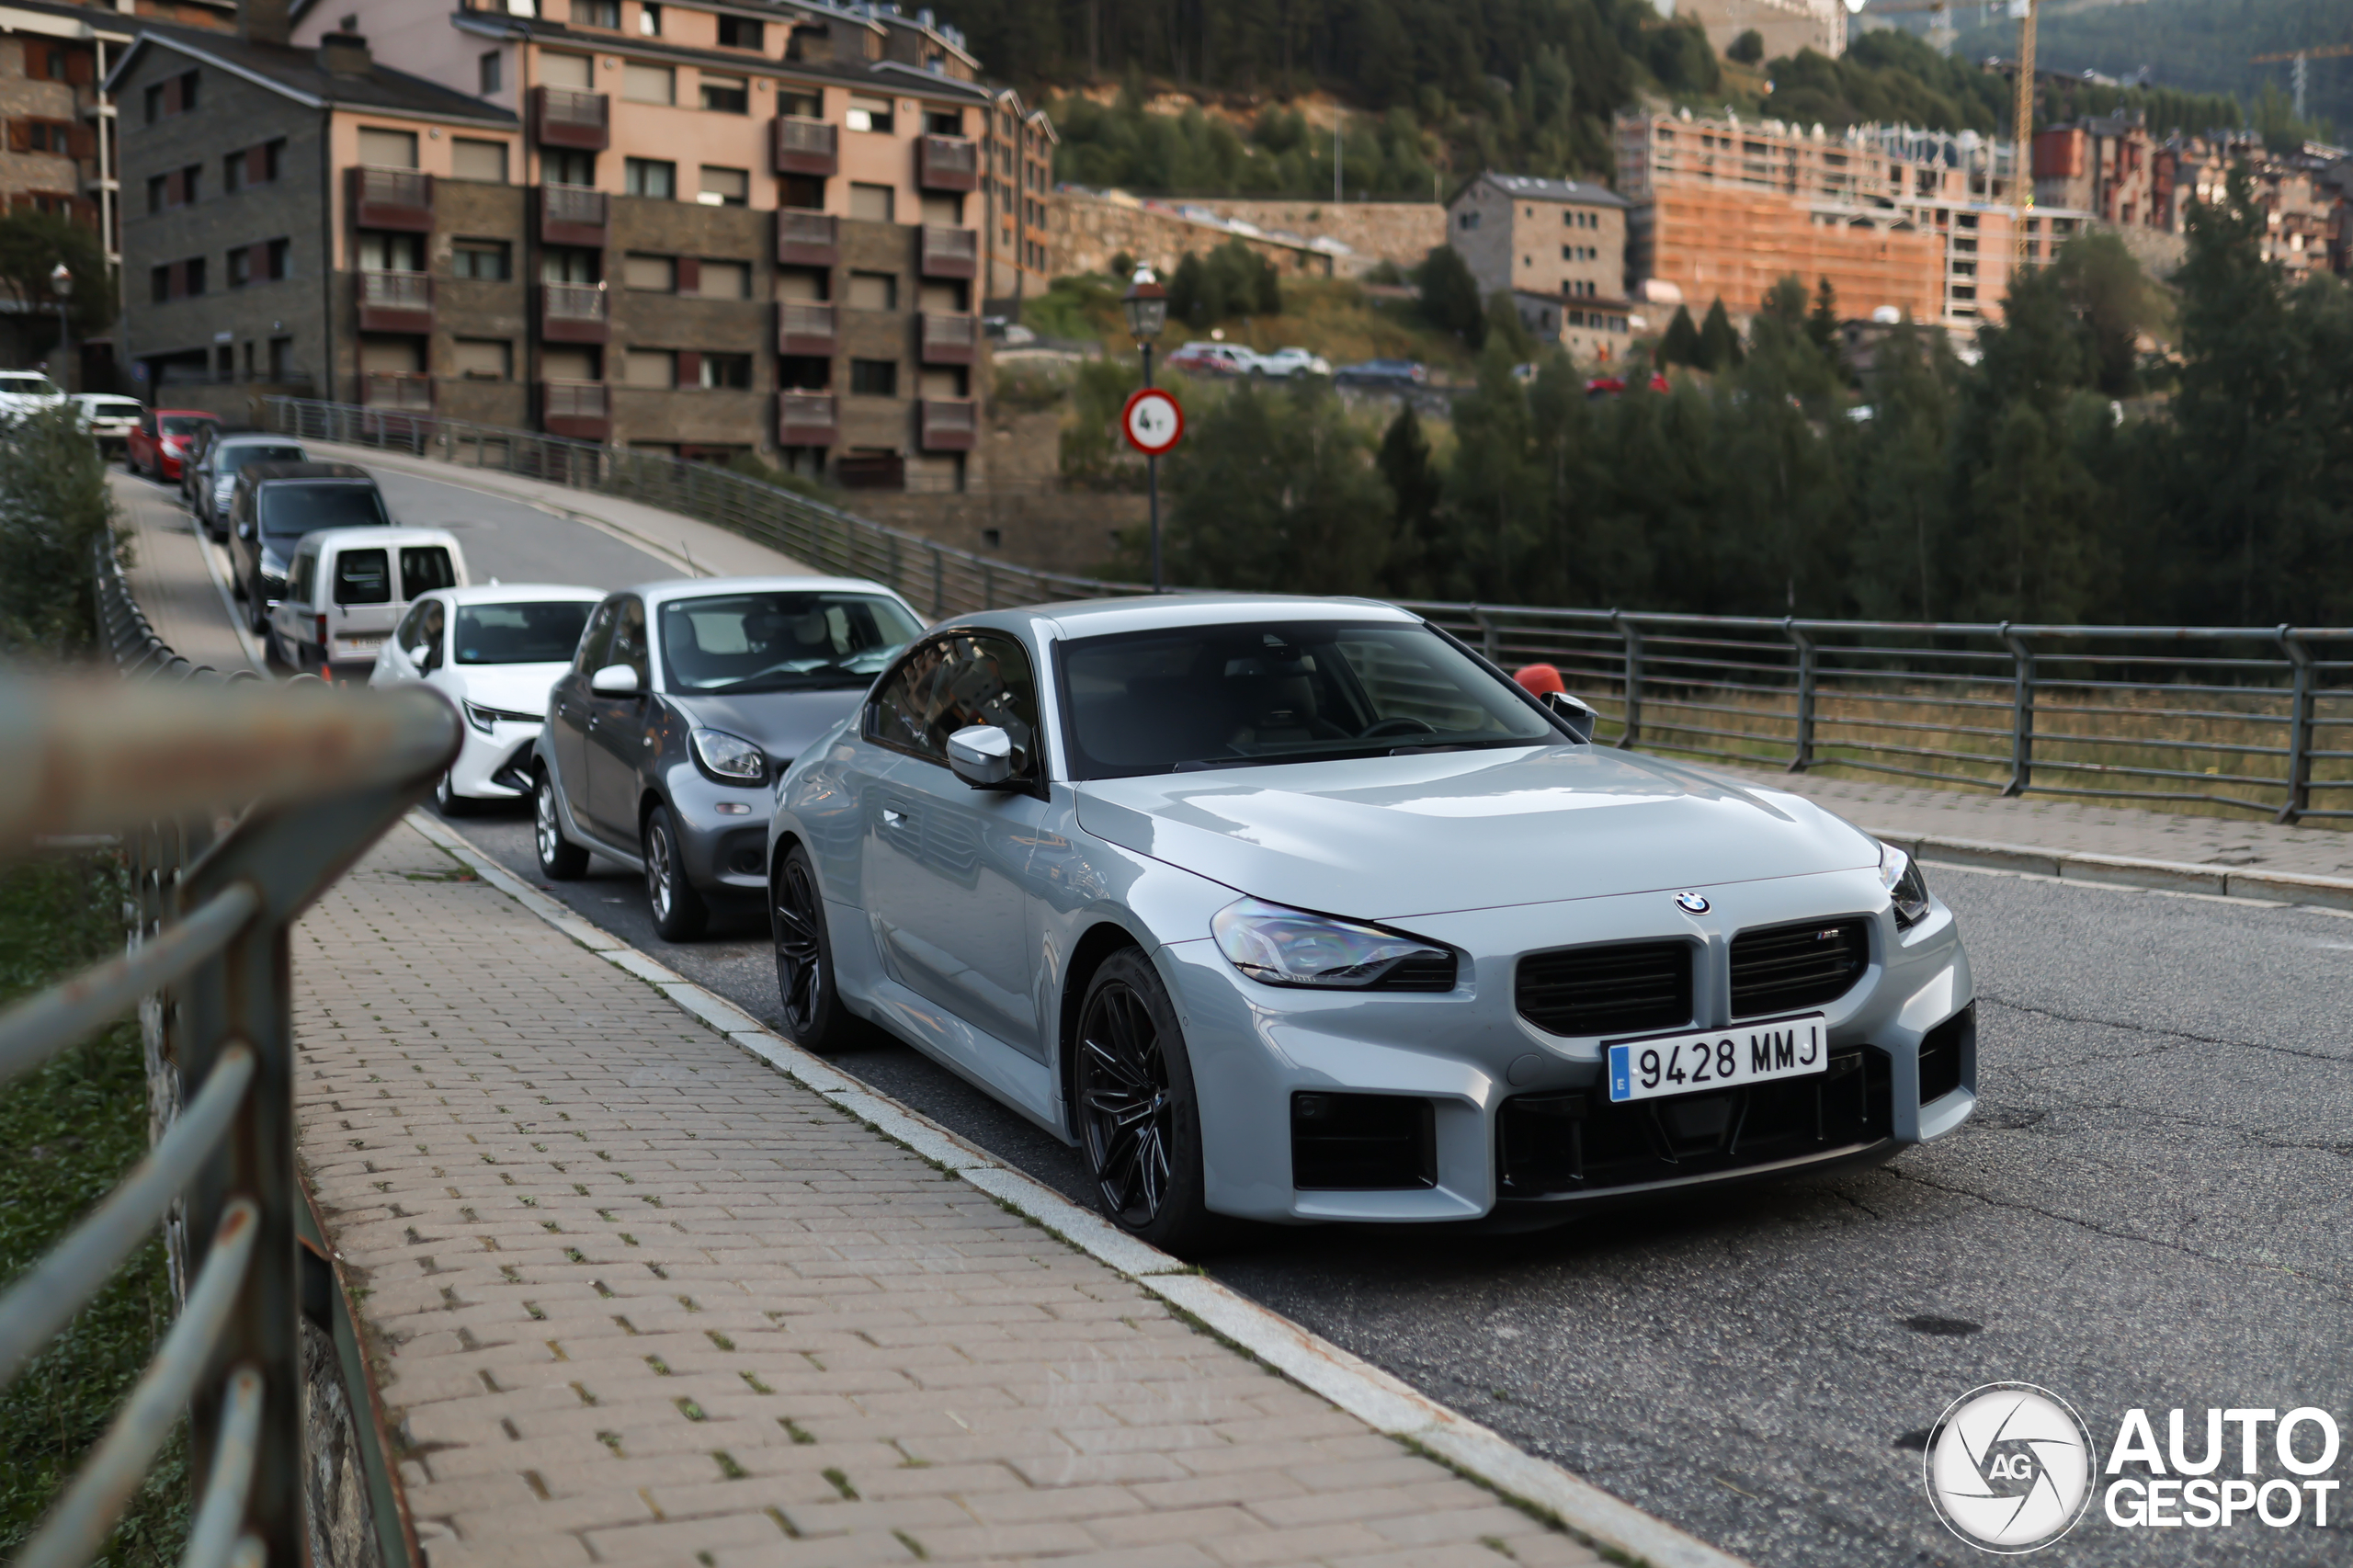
x=1615 y=386
x=345 y=589
x=156 y=446
x=212 y=477
x=274 y=504
x=109 y=419
x=1299 y=910
x=685 y=702
x=1213 y=359
x=1394 y=373
x=1284 y=363
x=493 y=650
x=28 y=392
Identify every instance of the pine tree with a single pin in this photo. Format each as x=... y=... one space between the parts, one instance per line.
x=1681 y=343
x=1418 y=567
x=1720 y=346
x=1822 y=322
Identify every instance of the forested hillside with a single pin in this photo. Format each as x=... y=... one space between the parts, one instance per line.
x=1888 y=75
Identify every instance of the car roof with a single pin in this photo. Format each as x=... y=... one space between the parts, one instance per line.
x=261 y=474
x=255 y=437
x=1147 y=612
x=512 y=593
x=665 y=590
x=188 y=414
x=376 y=535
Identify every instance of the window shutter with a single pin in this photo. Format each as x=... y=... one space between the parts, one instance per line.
x=258 y=263
x=175 y=188
x=178 y=289
x=689 y=276
x=689 y=364
x=80 y=69
x=257 y=164
x=84 y=140
x=20 y=136
x=172 y=96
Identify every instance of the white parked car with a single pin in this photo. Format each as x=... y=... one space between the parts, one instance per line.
x=495 y=651
x=109 y=419
x=1293 y=362
x=28 y=392
x=346 y=589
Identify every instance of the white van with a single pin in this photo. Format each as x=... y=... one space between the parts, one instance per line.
x=346 y=589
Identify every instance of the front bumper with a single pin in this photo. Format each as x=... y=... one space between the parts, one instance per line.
x=724 y=850
x=1491 y=1099
x=497 y=765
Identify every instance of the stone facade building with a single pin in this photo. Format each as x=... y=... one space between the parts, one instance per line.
x=1558 y=246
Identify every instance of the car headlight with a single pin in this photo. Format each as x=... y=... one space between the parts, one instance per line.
x=1906 y=887
x=729 y=757
x=483 y=718
x=1276 y=946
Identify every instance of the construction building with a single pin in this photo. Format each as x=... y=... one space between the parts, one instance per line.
x=1914 y=221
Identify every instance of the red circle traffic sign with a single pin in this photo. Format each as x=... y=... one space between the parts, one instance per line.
x=1151 y=421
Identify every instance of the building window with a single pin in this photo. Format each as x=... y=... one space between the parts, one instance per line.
x=606 y=14
x=281 y=259
x=944 y=122
x=193 y=269
x=727 y=372
x=869 y=114
x=874 y=378
x=570 y=263
x=159 y=285
x=385 y=149
x=801 y=103
x=484 y=161
x=803 y=193
x=650 y=367
x=158 y=192
x=725 y=188
x=650 y=273
x=798 y=372
x=1467 y=220
x=489 y=73
x=240 y=268
x=482 y=359
x=726 y=94
x=650 y=177
x=567 y=166
x=648 y=84
x=281 y=359
x=649 y=19
x=724 y=281
x=486 y=261
x=740 y=32
x=873 y=292
x=871 y=203
x=386 y=251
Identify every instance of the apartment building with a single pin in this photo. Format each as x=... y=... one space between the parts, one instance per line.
x=704 y=228
x=1018 y=191
x=1915 y=220
x=1558 y=246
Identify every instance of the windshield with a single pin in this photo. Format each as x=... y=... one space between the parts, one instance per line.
x=1237 y=696
x=230 y=459
x=290 y=511
x=531 y=633
x=181 y=424
x=781 y=641
x=28 y=384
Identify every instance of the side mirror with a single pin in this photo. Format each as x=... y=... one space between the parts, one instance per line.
x=614 y=680
x=1576 y=715
x=982 y=756
x=245 y=530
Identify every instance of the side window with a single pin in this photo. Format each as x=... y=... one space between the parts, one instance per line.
x=362 y=577
x=411 y=632
x=425 y=568
x=629 y=640
x=436 y=621
x=947 y=683
x=299 y=590
x=598 y=637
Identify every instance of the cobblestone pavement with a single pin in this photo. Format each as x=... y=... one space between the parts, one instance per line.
x=636 y=1297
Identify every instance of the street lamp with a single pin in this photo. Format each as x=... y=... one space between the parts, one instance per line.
x=1146 y=304
x=61 y=283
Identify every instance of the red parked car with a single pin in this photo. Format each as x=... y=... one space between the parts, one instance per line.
x=1615 y=386
x=156 y=446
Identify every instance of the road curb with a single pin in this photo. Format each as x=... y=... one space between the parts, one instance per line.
x=1380 y=1401
x=2121 y=870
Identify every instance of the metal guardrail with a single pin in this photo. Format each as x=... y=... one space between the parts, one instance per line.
x=945 y=580
x=2237 y=719
x=162 y=759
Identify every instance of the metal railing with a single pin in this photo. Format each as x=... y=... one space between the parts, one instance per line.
x=396 y=290
x=156 y=759
x=578 y=204
x=577 y=301
x=937 y=578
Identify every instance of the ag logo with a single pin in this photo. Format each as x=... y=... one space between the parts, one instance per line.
x=2010 y=1468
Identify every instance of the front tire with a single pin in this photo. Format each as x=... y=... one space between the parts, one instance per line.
x=679 y=912
x=1139 y=1117
x=814 y=1018
x=561 y=860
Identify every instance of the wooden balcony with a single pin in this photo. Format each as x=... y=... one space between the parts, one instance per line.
x=576 y=312
x=806 y=147
x=806 y=327
x=582 y=410
x=806 y=419
x=392 y=198
x=565 y=117
x=395 y=302
x=948 y=339
x=393 y=389
x=951 y=252
x=948 y=426
x=572 y=215
x=947 y=162
x=806 y=239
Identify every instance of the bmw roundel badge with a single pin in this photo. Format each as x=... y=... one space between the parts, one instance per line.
x=1691 y=903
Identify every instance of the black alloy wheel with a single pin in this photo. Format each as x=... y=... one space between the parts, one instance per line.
x=814 y=1018
x=561 y=860
x=679 y=914
x=1137 y=1113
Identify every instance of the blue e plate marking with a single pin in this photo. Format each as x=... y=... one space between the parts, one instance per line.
x=1621 y=1071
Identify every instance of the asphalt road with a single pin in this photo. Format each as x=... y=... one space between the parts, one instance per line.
x=2150 y=1210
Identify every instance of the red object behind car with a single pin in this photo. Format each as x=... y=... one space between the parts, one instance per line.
x=156 y=446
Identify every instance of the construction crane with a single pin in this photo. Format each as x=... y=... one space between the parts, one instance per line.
x=2022 y=145
x=2303 y=58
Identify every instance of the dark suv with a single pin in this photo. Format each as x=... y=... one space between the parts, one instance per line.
x=274 y=505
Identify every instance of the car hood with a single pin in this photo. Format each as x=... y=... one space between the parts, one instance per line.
x=781 y=723
x=1392 y=837
x=513 y=688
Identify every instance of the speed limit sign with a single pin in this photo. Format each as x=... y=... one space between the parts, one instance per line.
x=1151 y=421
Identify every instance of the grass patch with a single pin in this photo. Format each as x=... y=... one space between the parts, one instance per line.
x=67 y=1134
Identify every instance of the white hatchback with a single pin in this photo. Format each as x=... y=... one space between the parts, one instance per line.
x=493 y=650
x=28 y=392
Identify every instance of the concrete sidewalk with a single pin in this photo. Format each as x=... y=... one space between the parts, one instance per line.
x=170 y=580
x=639 y=1296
